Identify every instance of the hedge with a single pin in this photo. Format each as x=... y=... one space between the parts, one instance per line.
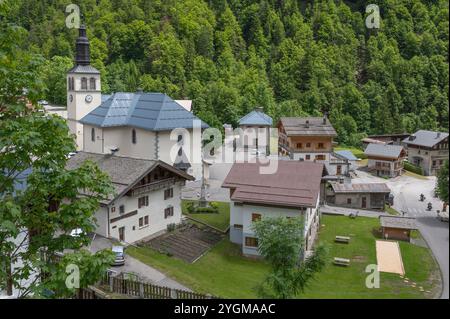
x=413 y=168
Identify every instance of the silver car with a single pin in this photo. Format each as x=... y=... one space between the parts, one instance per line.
x=119 y=255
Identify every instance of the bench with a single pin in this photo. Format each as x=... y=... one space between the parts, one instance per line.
x=341 y=261
x=342 y=239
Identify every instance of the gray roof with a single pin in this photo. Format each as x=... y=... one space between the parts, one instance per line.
x=383 y=150
x=307 y=126
x=398 y=222
x=124 y=172
x=347 y=154
x=360 y=188
x=425 y=138
x=149 y=111
x=256 y=117
x=105 y=97
x=84 y=69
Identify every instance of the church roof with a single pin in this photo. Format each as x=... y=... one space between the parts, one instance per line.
x=89 y=69
x=149 y=111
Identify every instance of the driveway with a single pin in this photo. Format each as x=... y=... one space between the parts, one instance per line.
x=407 y=190
x=132 y=265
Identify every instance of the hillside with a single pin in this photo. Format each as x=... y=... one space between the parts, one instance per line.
x=291 y=57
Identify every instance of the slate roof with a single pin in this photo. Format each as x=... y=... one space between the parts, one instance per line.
x=307 y=126
x=84 y=69
x=294 y=184
x=425 y=138
x=256 y=117
x=105 y=97
x=360 y=188
x=124 y=172
x=383 y=150
x=347 y=154
x=149 y=111
x=398 y=222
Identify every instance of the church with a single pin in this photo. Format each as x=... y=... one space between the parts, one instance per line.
x=140 y=125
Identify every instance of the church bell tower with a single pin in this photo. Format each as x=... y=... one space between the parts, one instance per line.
x=83 y=88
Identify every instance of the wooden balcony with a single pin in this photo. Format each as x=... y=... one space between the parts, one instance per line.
x=165 y=183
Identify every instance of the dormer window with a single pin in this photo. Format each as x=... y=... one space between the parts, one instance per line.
x=133 y=136
x=84 y=83
x=92 y=83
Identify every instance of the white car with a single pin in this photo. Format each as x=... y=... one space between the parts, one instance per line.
x=43 y=102
x=120 y=255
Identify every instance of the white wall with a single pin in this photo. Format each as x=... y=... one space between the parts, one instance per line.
x=155 y=210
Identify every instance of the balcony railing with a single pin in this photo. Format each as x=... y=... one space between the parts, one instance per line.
x=153 y=186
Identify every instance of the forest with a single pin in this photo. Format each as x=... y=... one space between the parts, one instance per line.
x=291 y=57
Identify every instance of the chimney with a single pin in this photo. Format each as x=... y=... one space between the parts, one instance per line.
x=438 y=135
x=140 y=90
x=412 y=137
x=307 y=123
x=325 y=118
x=259 y=109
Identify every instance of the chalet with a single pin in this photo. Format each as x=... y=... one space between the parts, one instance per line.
x=147 y=196
x=393 y=139
x=372 y=196
x=255 y=131
x=385 y=160
x=306 y=138
x=292 y=191
x=139 y=125
x=428 y=150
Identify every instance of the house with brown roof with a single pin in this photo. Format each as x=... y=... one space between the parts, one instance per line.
x=385 y=160
x=147 y=196
x=306 y=138
x=292 y=191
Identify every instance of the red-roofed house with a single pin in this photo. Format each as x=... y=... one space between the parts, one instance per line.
x=293 y=190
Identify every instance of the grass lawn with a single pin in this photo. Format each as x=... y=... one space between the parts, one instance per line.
x=224 y=272
x=349 y=282
x=391 y=211
x=220 y=220
x=411 y=174
x=221 y=272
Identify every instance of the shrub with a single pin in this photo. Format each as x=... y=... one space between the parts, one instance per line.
x=206 y=210
x=413 y=168
x=190 y=207
x=171 y=227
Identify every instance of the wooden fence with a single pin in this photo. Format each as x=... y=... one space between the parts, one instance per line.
x=139 y=290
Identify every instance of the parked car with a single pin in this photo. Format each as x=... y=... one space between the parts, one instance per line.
x=120 y=255
x=77 y=232
x=43 y=102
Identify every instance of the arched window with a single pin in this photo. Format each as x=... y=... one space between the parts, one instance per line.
x=133 y=136
x=180 y=138
x=92 y=83
x=180 y=151
x=84 y=83
x=93 y=134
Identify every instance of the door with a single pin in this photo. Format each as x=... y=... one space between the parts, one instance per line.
x=339 y=170
x=364 y=202
x=122 y=233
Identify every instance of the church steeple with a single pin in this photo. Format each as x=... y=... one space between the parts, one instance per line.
x=82 y=48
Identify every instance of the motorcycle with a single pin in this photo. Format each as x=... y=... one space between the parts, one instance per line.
x=422 y=197
x=430 y=207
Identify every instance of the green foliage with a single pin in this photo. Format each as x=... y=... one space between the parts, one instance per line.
x=291 y=58
x=280 y=242
x=40 y=217
x=413 y=168
x=442 y=183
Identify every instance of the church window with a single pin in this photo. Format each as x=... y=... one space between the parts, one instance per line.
x=92 y=83
x=133 y=136
x=84 y=83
